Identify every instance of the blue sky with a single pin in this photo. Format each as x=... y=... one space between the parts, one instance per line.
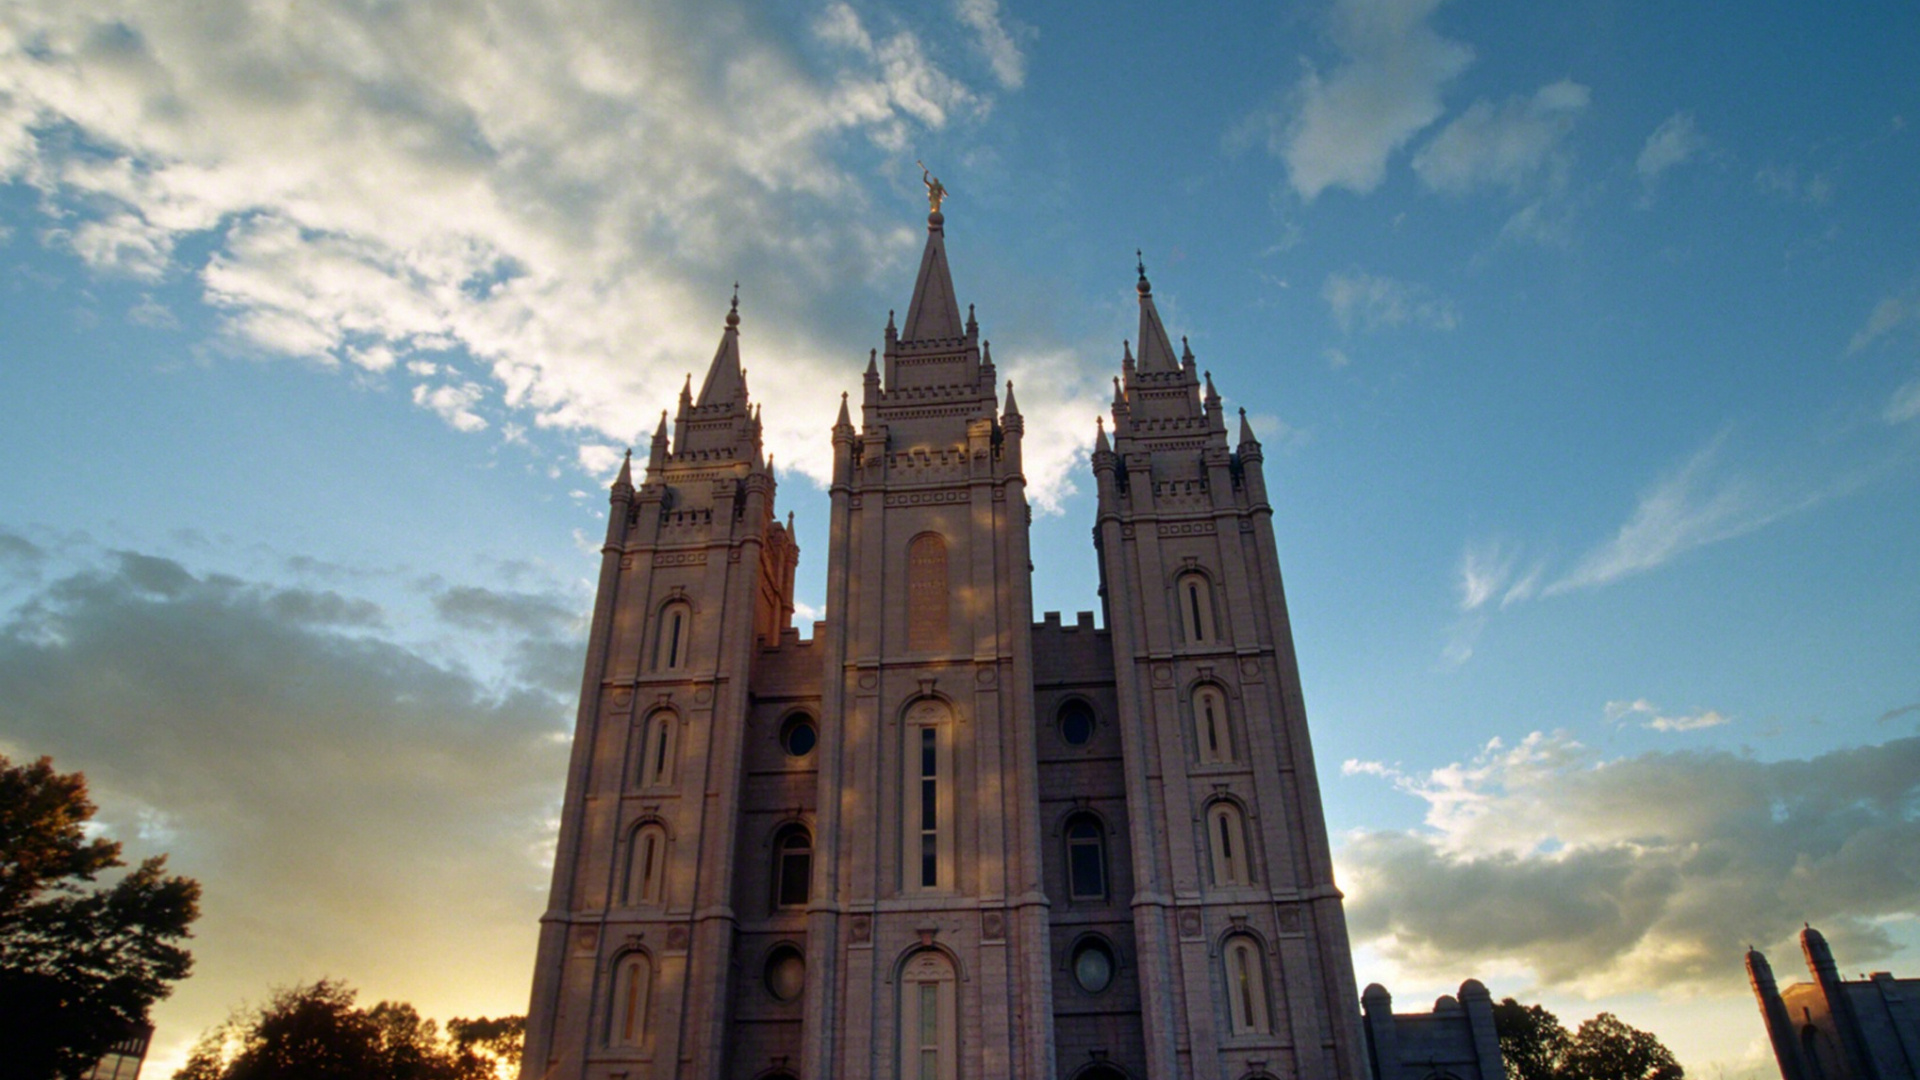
x=1584 y=341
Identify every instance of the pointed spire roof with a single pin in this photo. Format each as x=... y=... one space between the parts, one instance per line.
x=1100 y=444
x=1246 y=430
x=625 y=479
x=1156 y=351
x=1013 y=408
x=934 y=313
x=725 y=381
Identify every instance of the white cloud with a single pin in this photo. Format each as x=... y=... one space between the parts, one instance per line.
x=1505 y=146
x=1904 y=405
x=454 y=404
x=559 y=189
x=1673 y=143
x=1699 y=503
x=1784 y=181
x=997 y=40
x=1636 y=874
x=1649 y=716
x=600 y=460
x=1373 y=302
x=1385 y=90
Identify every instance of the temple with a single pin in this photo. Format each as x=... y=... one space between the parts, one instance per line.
x=940 y=837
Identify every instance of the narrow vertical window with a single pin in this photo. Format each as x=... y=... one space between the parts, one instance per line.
x=1086 y=858
x=673 y=636
x=927 y=798
x=656 y=761
x=929 y=808
x=1211 y=731
x=1246 y=986
x=928 y=612
x=929 y=1039
x=1226 y=837
x=632 y=988
x=793 y=870
x=1193 y=593
x=648 y=858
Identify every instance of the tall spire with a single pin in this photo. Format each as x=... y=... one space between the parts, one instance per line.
x=725 y=380
x=934 y=313
x=1156 y=351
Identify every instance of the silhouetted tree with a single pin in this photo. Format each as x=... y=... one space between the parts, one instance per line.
x=1535 y=1046
x=316 y=1032
x=500 y=1040
x=79 y=964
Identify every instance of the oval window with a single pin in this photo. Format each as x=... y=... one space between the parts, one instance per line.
x=1076 y=723
x=798 y=736
x=786 y=973
x=1093 y=967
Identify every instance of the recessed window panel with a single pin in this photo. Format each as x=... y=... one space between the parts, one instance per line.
x=786 y=973
x=798 y=736
x=1076 y=723
x=1093 y=967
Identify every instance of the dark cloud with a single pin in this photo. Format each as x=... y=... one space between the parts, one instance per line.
x=20 y=550
x=476 y=608
x=1642 y=873
x=352 y=807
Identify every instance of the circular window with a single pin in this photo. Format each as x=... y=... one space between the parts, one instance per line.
x=1093 y=967
x=786 y=973
x=798 y=736
x=1076 y=723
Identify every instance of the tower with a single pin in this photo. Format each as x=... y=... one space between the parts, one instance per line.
x=939 y=839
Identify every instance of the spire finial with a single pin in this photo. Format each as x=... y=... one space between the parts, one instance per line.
x=936 y=191
x=1140 y=264
x=733 y=313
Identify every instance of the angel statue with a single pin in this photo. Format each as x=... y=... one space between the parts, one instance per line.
x=936 y=191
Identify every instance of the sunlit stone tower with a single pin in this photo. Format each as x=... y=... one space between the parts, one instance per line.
x=939 y=839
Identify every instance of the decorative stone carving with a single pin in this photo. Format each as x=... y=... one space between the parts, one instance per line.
x=860 y=931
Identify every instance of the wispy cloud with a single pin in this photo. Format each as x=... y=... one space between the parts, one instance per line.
x=1514 y=145
x=1904 y=405
x=1699 y=503
x=1890 y=314
x=998 y=39
x=1651 y=717
x=1673 y=143
x=1372 y=302
x=1635 y=874
x=1342 y=126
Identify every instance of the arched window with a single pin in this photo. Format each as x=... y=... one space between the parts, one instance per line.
x=928 y=613
x=627 y=1004
x=927 y=797
x=1246 y=986
x=1227 y=840
x=1194 y=594
x=792 y=866
x=1210 y=728
x=1086 y=858
x=657 y=750
x=673 y=636
x=929 y=1028
x=647 y=865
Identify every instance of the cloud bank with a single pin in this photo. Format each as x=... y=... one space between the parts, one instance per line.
x=1650 y=872
x=353 y=805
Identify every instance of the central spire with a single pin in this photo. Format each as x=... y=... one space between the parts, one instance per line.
x=725 y=381
x=1156 y=351
x=934 y=314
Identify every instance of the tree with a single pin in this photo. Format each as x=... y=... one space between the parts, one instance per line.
x=1535 y=1046
x=1532 y=1042
x=316 y=1032
x=79 y=964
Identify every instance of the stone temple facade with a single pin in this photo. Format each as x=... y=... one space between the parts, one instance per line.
x=942 y=838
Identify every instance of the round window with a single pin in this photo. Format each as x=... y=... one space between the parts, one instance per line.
x=1093 y=967
x=1076 y=723
x=798 y=736
x=786 y=973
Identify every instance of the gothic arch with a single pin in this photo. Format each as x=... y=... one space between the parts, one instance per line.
x=659 y=747
x=629 y=977
x=1100 y=1070
x=671 y=628
x=907 y=954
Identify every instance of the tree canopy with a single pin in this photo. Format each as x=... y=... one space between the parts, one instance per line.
x=79 y=963
x=1535 y=1046
x=316 y=1032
